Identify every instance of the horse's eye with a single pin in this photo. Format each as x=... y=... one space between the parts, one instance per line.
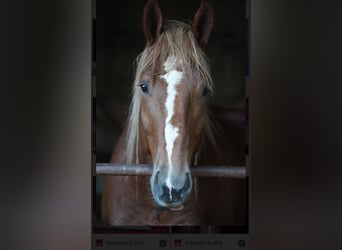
x=144 y=86
x=205 y=91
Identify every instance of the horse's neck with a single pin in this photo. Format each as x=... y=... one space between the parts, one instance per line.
x=119 y=154
x=144 y=151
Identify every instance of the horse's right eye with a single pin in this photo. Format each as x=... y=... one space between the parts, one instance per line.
x=144 y=86
x=205 y=91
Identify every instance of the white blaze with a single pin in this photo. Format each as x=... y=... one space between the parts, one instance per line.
x=172 y=78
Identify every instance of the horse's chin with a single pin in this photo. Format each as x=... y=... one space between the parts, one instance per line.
x=171 y=208
x=180 y=208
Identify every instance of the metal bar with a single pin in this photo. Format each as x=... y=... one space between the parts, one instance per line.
x=145 y=170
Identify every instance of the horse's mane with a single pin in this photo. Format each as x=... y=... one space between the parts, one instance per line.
x=176 y=40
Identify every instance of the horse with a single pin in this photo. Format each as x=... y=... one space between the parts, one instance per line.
x=171 y=126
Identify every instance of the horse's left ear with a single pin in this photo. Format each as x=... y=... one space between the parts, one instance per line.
x=152 y=21
x=203 y=23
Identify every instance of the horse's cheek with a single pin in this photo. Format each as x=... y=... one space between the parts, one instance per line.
x=145 y=120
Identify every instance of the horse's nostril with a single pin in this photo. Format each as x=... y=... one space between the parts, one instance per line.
x=187 y=184
x=155 y=182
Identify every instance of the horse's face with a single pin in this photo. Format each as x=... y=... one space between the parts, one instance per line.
x=172 y=119
x=172 y=111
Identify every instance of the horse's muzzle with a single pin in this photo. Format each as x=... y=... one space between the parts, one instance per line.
x=166 y=197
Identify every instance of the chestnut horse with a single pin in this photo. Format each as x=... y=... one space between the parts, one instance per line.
x=171 y=127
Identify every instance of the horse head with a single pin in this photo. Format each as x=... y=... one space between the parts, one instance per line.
x=169 y=100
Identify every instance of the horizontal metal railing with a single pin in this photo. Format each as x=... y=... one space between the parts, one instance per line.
x=145 y=170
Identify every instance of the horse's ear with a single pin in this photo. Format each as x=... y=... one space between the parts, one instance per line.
x=203 y=23
x=152 y=21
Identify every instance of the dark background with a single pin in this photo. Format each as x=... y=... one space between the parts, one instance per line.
x=295 y=125
x=119 y=39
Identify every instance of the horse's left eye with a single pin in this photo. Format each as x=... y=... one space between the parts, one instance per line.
x=144 y=86
x=205 y=91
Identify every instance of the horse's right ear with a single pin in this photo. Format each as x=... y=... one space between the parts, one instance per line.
x=152 y=21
